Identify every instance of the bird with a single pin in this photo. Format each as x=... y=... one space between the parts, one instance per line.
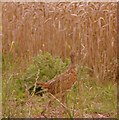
x=60 y=84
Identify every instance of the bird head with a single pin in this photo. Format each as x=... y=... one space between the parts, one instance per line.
x=73 y=57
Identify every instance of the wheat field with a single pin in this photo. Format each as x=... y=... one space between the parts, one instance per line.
x=90 y=28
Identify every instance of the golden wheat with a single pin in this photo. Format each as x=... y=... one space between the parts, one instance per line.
x=60 y=27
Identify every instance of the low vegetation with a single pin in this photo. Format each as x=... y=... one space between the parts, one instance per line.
x=88 y=97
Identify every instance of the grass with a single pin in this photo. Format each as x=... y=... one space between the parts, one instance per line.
x=87 y=98
x=90 y=97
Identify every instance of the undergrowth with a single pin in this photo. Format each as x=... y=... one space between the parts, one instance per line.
x=44 y=68
x=87 y=98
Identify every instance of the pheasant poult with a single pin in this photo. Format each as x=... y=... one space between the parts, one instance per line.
x=61 y=83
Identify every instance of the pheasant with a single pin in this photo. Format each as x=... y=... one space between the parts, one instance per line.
x=61 y=83
x=58 y=86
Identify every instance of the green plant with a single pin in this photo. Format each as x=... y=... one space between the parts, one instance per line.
x=87 y=98
x=48 y=67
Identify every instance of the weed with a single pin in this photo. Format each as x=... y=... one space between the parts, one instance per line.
x=87 y=98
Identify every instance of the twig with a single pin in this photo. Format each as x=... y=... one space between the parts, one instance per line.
x=60 y=102
x=35 y=84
